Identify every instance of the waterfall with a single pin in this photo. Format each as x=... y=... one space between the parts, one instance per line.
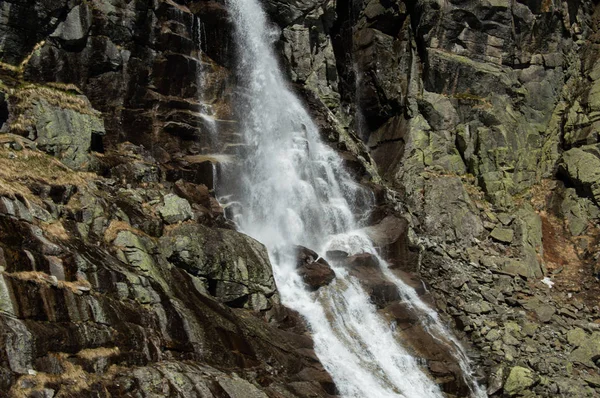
x=293 y=190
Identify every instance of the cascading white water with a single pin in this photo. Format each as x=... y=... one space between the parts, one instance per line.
x=293 y=190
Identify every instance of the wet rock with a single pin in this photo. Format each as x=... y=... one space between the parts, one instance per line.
x=314 y=270
x=365 y=267
x=365 y=260
x=390 y=236
x=336 y=255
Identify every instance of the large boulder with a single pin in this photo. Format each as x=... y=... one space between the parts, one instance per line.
x=233 y=267
x=519 y=381
x=581 y=166
x=175 y=209
x=62 y=123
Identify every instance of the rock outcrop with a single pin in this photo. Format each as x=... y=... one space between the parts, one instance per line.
x=100 y=295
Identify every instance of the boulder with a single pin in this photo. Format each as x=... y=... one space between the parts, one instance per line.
x=587 y=347
x=519 y=380
x=232 y=266
x=175 y=209
x=366 y=260
x=581 y=166
x=365 y=267
x=390 y=236
x=194 y=193
x=313 y=269
x=76 y=26
x=61 y=124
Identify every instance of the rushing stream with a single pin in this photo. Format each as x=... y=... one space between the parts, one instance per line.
x=293 y=190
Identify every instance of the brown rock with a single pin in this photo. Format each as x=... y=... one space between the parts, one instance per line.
x=194 y=193
x=314 y=270
x=365 y=267
x=366 y=260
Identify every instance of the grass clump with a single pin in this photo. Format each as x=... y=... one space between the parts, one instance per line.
x=19 y=169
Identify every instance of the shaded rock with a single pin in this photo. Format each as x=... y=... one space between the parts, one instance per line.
x=592 y=380
x=195 y=193
x=582 y=168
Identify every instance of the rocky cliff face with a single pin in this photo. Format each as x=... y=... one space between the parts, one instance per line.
x=474 y=122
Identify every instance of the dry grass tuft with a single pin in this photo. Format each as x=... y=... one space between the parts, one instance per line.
x=20 y=168
x=9 y=68
x=117 y=226
x=43 y=279
x=65 y=87
x=57 y=95
x=73 y=381
x=36 y=48
x=91 y=354
x=56 y=230
x=17 y=71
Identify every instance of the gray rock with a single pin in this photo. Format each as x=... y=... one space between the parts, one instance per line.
x=583 y=169
x=519 y=381
x=65 y=133
x=76 y=26
x=175 y=209
x=235 y=265
x=504 y=235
